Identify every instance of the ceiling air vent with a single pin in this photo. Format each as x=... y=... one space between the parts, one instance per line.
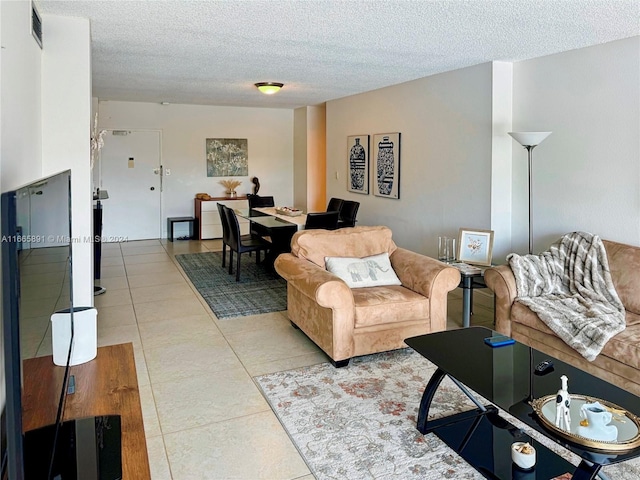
x=36 y=25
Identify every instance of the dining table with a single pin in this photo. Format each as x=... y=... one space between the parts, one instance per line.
x=265 y=221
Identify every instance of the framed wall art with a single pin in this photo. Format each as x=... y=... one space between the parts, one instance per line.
x=227 y=157
x=358 y=151
x=475 y=246
x=386 y=165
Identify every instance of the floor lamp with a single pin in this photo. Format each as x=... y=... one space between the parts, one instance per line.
x=530 y=140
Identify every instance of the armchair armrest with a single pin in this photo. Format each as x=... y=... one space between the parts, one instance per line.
x=424 y=275
x=500 y=279
x=428 y=277
x=325 y=288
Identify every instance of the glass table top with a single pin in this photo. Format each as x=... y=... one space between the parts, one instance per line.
x=505 y=376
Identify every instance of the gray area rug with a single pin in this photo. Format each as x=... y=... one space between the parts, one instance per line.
x=359 y=422
x=258 y=291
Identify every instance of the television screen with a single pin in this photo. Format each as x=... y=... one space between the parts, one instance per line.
x=36 y=282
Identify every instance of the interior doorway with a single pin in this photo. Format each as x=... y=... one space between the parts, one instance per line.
x=131 y=173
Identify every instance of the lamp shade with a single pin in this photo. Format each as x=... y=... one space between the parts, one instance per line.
x=269 y=88
x=529 y=139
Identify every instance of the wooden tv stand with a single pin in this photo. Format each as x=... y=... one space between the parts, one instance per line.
x=107 y=385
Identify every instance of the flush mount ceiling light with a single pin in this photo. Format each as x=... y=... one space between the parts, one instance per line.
x=269 y=88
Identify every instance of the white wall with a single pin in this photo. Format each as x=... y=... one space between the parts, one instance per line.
x=20 y=97
x=66 y=120
x=184 y=130
x=445 y=123
x=586 y=175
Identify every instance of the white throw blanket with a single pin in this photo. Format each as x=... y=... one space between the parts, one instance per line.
x=571 y=290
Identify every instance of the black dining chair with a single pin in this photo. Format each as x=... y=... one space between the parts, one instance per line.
x=241 y=243
x=335 y=204
x=225 y=232
x=325 y=220
x=260 y=201
x=348 y=214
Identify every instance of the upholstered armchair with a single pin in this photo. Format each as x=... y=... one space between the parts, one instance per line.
x=346 y=322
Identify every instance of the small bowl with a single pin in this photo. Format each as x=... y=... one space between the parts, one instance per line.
x=525 y=461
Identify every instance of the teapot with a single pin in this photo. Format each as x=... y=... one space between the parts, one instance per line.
x=598 y=418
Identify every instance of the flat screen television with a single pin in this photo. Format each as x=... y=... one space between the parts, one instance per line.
x=37 y=282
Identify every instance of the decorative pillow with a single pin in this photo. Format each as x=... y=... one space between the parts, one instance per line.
x=373 y=271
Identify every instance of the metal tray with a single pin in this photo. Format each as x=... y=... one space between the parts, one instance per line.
x=627 y=423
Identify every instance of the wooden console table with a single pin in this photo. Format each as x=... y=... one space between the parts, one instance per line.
x=107 y=385
x=208 y=221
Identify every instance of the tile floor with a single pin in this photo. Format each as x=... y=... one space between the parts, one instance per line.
x=204 y=416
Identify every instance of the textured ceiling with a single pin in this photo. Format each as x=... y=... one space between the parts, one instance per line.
x=212 y=52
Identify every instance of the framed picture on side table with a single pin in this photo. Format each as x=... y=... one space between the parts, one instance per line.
x=475 y=246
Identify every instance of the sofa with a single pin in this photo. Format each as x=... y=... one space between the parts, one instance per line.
x=346 y=322
x=619 y=361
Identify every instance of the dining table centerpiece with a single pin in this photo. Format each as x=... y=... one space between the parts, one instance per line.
x=231 y=184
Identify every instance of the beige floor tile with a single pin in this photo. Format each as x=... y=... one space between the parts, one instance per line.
x=113 y=283
x=163 y=292
x=157 y=278
x=113 y=297
x=115 y=271
x=178 y=330
x=213 y=245
x=265 y=321
x=198 y=358
x=150 y=258
x=60 y=258
x=146 y=268
x=140 y=243
x=158 y=462
x=116 y=315
x=149 y=413
x=167 y=310
x=43 y=291
x=195 y=401
x=263 y=346
x=141 y=250
x=119 y=334
x=110 y=253
x=177 y=248
x=111 y=261
x=141 y=367
x=221 y=450
x=288 y=363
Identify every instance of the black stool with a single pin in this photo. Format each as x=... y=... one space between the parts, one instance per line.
x=172 y=220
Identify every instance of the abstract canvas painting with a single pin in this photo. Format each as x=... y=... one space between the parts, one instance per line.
x=227 y=157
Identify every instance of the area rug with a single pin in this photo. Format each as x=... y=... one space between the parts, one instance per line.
x=259 y=290
x=359 y=422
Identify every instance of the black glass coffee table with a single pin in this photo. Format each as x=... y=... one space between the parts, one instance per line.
x=505 y=376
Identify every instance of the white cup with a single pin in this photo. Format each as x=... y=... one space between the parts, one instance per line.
x=525 y=461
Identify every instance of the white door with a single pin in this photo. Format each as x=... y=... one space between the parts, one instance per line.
x=131 y=173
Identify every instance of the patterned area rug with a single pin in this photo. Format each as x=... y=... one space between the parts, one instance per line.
x=258 y=291
x=359 y=422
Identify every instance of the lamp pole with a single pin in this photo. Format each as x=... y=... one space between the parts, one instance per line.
x=530 y=140
x=530 y=162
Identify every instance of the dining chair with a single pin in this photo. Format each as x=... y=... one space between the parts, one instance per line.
x=241 y=243
x=325 y=220
x=225 y=232
x=260 y=201
x=348 y=214
x=335 y=204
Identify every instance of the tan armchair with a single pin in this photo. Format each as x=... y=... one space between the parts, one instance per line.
x=346 y=322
